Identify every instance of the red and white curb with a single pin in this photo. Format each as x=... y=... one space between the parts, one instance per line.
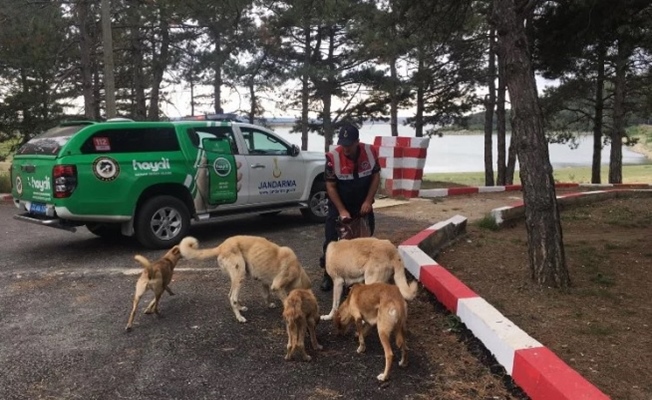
x=517 y=210
x=443 y=192
x=536 y=369
x=6 y=198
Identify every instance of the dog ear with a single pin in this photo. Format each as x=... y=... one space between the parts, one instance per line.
x=176 y=251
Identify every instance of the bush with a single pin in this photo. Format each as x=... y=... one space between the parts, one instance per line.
x=5 y=184
x=488 y=222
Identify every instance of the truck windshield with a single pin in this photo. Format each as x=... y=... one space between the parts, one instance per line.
x=49 y=142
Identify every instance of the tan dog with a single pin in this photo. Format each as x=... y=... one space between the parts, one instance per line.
x=379 y=304
x=301 y=313
x=276 y=267
x=156 y=277
x=367 y=260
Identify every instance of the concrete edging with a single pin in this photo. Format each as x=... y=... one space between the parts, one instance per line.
x=454 y=191
x=532 y=366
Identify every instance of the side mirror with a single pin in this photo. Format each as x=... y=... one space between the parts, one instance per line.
x=295 y=150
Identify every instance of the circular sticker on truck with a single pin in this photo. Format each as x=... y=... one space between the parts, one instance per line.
x=106 y=169
x=222 y=166
x=19 y=185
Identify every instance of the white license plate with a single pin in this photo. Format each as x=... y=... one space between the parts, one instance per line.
x=38 y=208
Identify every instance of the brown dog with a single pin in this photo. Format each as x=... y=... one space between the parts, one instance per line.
x=367 y=260
x=379 y=304
x=156 y=277
x=276 y=267
x=301 y=312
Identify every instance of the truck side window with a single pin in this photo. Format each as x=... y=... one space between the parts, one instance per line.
x=220 y=132
x=131 y=140
x=259 y=142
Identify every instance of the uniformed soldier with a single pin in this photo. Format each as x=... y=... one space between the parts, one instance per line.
x=352 y=177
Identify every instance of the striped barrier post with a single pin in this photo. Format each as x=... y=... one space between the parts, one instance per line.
x=402 y=160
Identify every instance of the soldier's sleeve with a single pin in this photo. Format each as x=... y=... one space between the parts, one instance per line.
x=376 y=168
x=329 y=171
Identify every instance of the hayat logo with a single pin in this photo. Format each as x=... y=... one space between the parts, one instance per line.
x=153 y=166
x=41 y=185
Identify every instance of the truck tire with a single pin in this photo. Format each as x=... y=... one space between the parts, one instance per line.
x=317 y=209
x=105 y=230
x=161 y=222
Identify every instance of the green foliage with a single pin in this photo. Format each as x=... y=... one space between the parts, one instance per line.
x=5 y=184
x=488 y=222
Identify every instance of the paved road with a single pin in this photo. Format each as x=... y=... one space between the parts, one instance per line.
x=64 y=300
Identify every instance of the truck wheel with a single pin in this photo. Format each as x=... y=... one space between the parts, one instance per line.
x=162 y=222
x=105 y=230
x=317 y=209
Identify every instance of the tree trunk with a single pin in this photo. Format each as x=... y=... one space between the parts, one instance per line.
x=418 y=118
x=545 y=243
x=305 y=87
x=252 y=101
x=599 y=108
x=107 y=48
x=489 y=104
x=616 y=154
x=139 y=106
x=393 y=101
x=327 y=92
x=85 y=62
x=217 y=81
x=505 y=171
x=160 y=64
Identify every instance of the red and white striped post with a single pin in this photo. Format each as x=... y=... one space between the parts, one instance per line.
x=402 y=160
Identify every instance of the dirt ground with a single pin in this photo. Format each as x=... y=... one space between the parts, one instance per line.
x=601 y=327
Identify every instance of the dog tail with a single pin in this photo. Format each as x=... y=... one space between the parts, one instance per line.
x=408 y=292
x=146 y=264
x=189 y=248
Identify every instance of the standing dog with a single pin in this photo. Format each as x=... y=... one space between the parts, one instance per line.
x=156 y=277
x=367 y=260
x=379 y=304
x=276 y=267
x=301 y=312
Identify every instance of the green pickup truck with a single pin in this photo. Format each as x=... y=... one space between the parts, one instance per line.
x=151 y=179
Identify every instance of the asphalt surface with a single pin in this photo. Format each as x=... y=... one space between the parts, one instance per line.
x=65 y=299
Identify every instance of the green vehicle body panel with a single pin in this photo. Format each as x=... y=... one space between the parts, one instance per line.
x=110 y=183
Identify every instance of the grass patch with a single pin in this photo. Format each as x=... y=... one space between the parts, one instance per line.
x=603 y=280
x=631 y=174
x=488 y=222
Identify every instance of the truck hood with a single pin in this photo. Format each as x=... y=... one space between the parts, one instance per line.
x=313 y=156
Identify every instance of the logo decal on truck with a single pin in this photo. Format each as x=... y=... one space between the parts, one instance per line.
x=222 y=166
x=152 y=167
x=106 y=169
x=19 y=185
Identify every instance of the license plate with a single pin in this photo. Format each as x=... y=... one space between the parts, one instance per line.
x=38 y=208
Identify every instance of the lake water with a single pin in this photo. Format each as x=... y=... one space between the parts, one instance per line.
x=465 y=153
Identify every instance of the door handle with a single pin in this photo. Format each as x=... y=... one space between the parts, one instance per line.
x=257 y=166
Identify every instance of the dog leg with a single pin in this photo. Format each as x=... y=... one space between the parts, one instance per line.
x=236 y=283
x=401 y=344
x=312 y=324
x=141 y=287
x=153 y=306
x=301 y=346
x=338 y=286
x=167 y=289
x=389 y=355
x=267 y=296
x=290 y=347
x=360 y=330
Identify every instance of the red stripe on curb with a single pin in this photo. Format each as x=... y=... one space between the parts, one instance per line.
x=6 y=197
x=418 y=238
x=462 y=190
x=512 y=188
x=543 y=375
x=444 y=285
x=566 y=185
x=416 y=152
x=412 y=173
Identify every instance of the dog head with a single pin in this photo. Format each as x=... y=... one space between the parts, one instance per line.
x=173 y=255
x=343 y=318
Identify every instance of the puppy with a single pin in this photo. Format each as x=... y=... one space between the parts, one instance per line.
x=379 y=304
x=276 y=267
x=156 y=277
x=367 y=260
x=301 y=312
